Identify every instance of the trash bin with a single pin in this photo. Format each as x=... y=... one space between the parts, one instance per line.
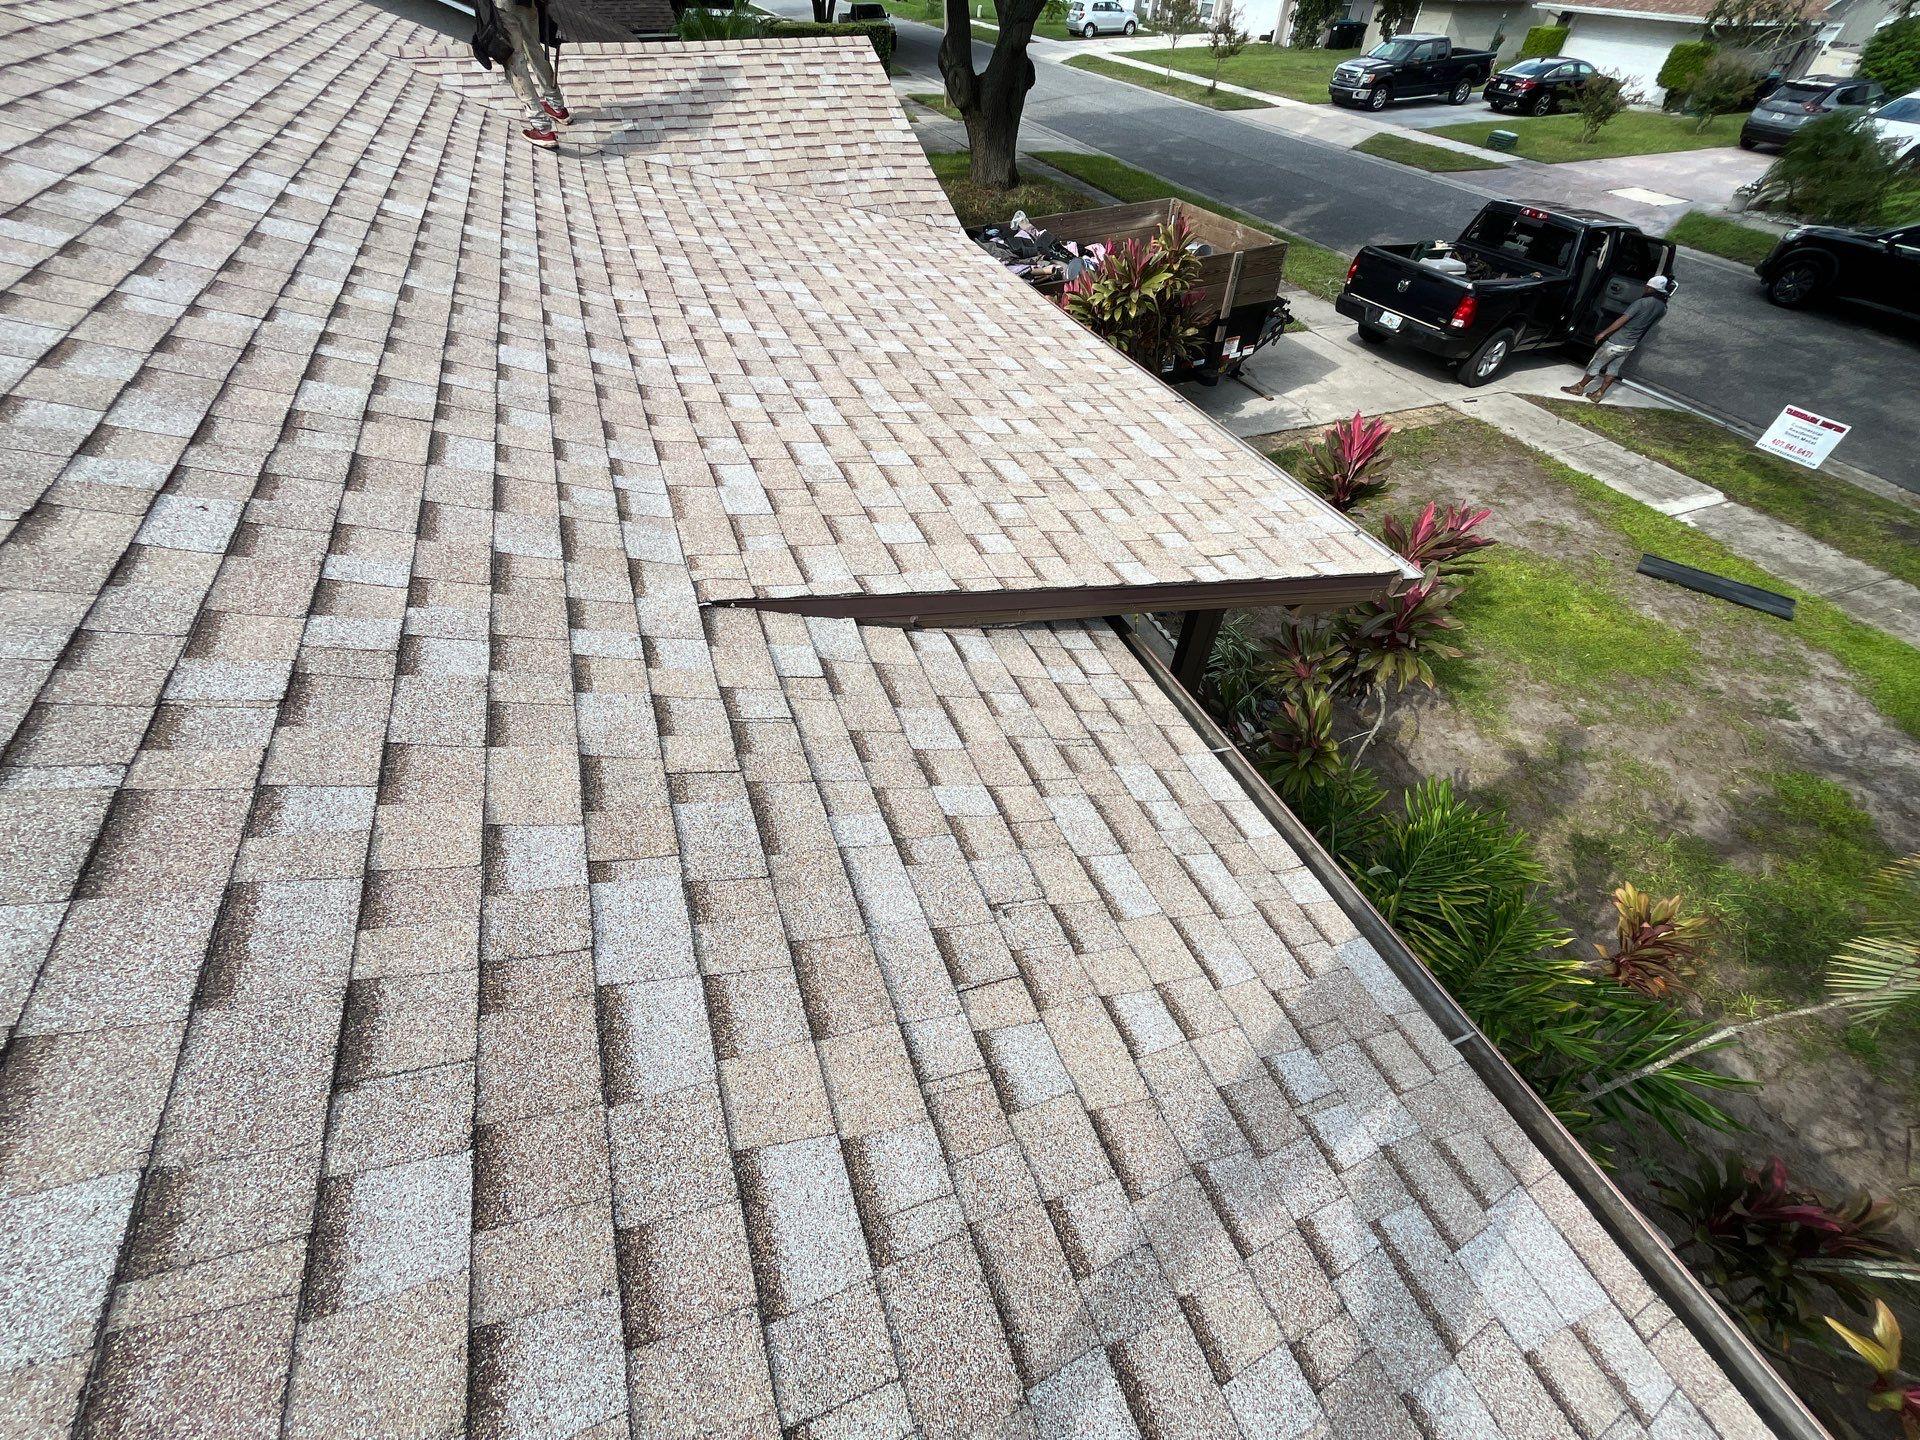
x=1346 y=34
x=1502 y=140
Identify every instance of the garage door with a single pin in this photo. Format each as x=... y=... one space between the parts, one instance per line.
x=1635 y=49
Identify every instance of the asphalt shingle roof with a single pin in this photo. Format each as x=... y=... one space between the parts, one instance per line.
x=458 y=982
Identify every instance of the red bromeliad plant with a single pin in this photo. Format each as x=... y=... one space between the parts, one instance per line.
x=1654 y=945
x=1766 y=1245
x=1395 y=641
x=1141 y=300
x=1442 y=540
x=1348 y=464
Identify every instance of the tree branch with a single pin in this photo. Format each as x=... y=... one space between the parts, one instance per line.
x=1731 y=1032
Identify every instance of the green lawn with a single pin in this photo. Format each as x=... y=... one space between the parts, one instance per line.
x=1424 y=157
x=1880 y=532
x=1313 y=268
x=937 y=102
x=1886 y=670
x=1726 y=238
x=1167 y=85
x=976 y=205
x=1556 y=138
x=1294 y=74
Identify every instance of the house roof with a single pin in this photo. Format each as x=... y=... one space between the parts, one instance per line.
x=457 y=981
x=1691 y=11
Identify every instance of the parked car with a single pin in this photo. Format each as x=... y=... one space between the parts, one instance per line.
x=1520 y=277
x=1878 y=267
x=1410 y=67
x=1778 y=118
x=1089 y=18
x=1538 y=87
x=1898 y=122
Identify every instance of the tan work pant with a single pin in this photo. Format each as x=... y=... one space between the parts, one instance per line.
x=528 y=72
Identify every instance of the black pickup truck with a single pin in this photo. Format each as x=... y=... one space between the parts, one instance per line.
x=1410 y=67
x=1520 y=277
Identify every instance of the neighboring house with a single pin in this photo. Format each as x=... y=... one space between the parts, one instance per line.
x=583 y=860
x=1498 y=25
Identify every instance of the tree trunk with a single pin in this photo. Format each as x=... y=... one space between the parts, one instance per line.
x=990 y=103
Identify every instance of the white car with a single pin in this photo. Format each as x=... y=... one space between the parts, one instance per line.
x=1100 y=17
x=1899 y=122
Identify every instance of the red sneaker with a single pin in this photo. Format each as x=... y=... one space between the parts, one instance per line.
x=560 y=113
x=545 y=139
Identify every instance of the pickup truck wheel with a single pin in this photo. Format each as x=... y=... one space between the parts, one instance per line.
x=1797 y=281
x=1462 y=92
x=1489 y=360
x=1377 y=98
x=1544 y=105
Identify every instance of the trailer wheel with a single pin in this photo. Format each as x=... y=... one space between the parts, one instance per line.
x=1488 y=361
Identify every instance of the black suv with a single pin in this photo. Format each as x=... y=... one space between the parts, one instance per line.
x=1879 y=267
x=1778 y=118
x=1538 y=87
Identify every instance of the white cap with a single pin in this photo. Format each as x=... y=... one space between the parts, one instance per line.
x=1660 y=283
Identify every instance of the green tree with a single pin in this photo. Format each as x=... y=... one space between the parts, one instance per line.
x=1310 y=19
x=1600 y=101
x=1892 y=56
x=1396 y=15
x=1177 y=19
x=1838 y=171
x=1725 y=85
x=1225 y=38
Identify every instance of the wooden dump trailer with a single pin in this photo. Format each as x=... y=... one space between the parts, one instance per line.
x=1239 y=284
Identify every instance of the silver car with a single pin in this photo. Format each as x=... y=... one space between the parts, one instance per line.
x=1100 y=17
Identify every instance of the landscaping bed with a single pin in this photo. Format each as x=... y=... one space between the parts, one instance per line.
x=1292 y=74
x=1179 y=89
x=1555 y=139
x=1638 y=732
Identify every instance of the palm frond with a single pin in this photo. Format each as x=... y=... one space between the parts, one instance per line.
x=1879 y=969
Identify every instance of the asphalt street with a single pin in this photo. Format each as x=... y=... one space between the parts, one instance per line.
x=1722 y=348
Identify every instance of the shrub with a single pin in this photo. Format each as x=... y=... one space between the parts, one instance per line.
x=1141 y=300
x=880 y=32
x=1542 y=42
x=1238 y=679
x=1301 y=753
x=1654 y=944
x=1440 y=540
x=1600 y=100
x=1836 y=171
x=1397 y=640
x=702 y=23
x=1349 y=465
x=1682 y=67
x=1890 y=1392
x=1725 y=85
x=1770 y=1248
x=1892 y=56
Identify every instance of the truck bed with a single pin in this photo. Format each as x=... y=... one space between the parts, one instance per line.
x=1429 y=293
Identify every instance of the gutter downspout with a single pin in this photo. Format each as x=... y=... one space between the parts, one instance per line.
x=1718 y=1333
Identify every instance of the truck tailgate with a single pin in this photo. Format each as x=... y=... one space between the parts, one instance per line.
x=1406 y=287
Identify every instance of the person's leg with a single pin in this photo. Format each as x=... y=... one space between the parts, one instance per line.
x=1579 y=387
x=524 y=21
x=1610 y=373
x=520 y=76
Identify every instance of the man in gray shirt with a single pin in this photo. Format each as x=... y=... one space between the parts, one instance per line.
x=1618 y=340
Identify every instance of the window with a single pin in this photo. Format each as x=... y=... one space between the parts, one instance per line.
x=1906 y=108
x=1533 y=239
x=1851 y=95
x=1797 y=94
x=1428 y=52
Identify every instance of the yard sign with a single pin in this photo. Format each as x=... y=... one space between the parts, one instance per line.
x=1803 y=437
